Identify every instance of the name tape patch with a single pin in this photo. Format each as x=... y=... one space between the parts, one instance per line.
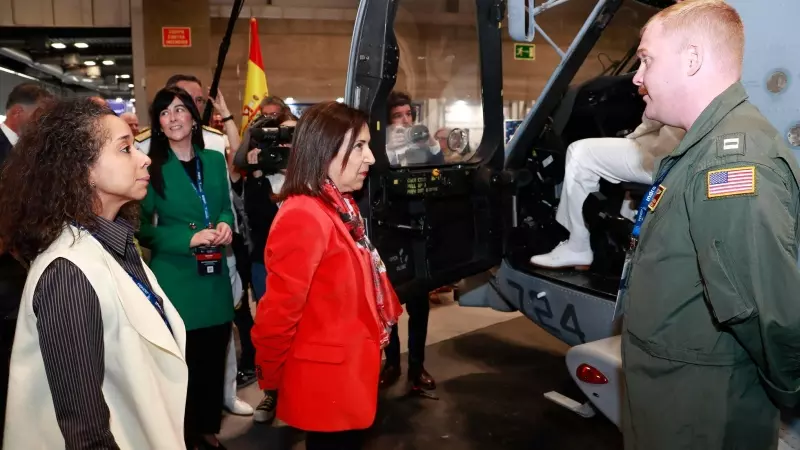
x=729 y=182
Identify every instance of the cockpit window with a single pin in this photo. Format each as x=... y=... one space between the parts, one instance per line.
x=435 y=113
x=525 y=77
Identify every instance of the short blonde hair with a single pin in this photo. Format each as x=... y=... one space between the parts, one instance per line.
x=714 y=19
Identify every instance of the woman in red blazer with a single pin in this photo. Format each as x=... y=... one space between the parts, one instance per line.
x=328 y=307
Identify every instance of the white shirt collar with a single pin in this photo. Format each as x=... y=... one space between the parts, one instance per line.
x=12 y=137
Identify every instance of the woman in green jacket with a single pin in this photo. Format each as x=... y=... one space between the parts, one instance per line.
x=186 y=222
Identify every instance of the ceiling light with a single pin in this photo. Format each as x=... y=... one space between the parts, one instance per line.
x=57 y=45
x=89 y=63
x=108 y=62
x=81 y=45
x=289 y=100
x=130 y=85
x=124 y=76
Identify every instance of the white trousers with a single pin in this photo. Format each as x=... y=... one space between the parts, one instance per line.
x=588 y=160
x=231 y=369
x=231 y=366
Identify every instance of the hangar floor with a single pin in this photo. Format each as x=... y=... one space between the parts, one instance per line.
x=492 y=370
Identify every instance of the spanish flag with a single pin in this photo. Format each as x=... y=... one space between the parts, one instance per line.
x=256 y=87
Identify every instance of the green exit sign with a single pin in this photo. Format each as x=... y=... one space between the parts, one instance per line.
x=525 y=52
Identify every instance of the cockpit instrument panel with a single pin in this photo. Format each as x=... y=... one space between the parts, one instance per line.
x=431 y=183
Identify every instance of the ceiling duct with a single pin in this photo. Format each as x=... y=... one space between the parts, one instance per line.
x=46 y=68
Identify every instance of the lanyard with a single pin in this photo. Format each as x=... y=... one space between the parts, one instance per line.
x=151 y=297
x=198 y=188
x=644 y=207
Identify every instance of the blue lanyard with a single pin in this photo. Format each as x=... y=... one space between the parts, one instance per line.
x=151 y=297
x=644 y=206
x=637 y=230
x=143 y=287
x=198 y=188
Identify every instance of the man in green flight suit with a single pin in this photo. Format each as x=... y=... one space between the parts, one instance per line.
x=711 y=335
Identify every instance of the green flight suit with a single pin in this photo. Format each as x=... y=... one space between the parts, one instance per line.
x=711 y=335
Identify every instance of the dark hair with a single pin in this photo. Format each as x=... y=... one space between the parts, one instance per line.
x=396 y=99
x=45 y=181
x=177 y=78
x=319 y=134
x=159 y=145
x=274 y=100
x=27 y=94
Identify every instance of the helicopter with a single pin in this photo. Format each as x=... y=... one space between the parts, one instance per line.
x=486 y=216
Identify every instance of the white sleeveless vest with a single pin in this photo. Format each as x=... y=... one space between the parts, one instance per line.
x=146 y=375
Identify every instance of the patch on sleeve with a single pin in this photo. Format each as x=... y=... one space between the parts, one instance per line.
x=732 y=181
x=731 y=144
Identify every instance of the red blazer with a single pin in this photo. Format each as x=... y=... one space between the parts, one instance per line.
x=316 y=334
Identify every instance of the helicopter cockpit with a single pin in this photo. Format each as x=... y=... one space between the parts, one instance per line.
x=439 y=222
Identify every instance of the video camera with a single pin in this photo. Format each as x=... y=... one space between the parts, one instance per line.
x=267 y=134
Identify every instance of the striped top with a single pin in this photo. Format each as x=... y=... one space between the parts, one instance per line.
x=70 y=327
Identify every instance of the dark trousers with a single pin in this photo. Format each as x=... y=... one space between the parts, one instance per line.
x=418 y=311
x=7 y=328
x=244 y=323
x=339 y=440
x=243 y=319
x=206 y=353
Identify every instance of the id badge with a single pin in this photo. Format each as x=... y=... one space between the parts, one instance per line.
x=209 y=260
x=619 y=307
x=623 y=286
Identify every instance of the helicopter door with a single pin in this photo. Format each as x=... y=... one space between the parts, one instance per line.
x=433 y=222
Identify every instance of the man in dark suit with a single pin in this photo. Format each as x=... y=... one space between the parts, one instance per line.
x=21 y=106
x=22 y=103
x=418 y=307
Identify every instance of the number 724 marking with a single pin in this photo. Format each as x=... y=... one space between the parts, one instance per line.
x=544 y=313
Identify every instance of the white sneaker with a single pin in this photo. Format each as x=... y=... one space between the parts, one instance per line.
x=239 y=407
x=564 y=257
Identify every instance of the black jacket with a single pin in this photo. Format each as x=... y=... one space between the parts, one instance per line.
x=261 y=211
x=12 y=282
x=5 y=147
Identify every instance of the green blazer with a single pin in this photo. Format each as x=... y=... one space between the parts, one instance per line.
x=202 y=301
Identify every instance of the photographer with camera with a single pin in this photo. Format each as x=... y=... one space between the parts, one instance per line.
x=271 y=106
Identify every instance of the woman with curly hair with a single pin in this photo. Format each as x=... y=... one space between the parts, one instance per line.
x=186 y=223
x=98 y=354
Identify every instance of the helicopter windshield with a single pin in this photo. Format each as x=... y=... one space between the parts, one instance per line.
x=528 y=67
x=439 y=73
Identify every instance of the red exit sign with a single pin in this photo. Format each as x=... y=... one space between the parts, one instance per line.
x=176 y=37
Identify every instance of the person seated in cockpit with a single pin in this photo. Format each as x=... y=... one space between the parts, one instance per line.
x=633 y=158
x=407 y=143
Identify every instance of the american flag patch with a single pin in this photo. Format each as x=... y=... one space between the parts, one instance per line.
x=727 y=182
